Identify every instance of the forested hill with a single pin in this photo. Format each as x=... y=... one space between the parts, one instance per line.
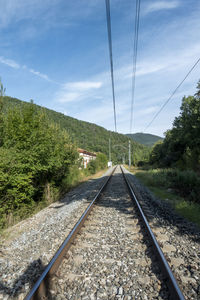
x=90 y=136
x=145 y=138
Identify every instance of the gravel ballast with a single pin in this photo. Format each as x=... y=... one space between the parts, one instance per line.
x=178 y=238
x=111 y=258
x=32 y=242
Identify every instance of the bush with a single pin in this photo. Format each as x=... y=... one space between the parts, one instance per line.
x=98 y=164
x=186 y=183
x=92 y=167
x=35 y=156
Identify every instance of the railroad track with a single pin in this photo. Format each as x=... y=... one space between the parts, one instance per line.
x=111 y=253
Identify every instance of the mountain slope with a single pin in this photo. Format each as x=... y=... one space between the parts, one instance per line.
x=90 y=136
x=145 y=138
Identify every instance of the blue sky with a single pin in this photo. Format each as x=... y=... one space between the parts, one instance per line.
x=56 y=53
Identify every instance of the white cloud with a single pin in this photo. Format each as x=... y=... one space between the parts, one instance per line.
x=160 y=5
x=21 y=10
x=165 y=74
x=82 y=85
x=9 y=62
x=44 y=76
x=45 y=12
x=64 y=97
x=147 y=111
x=76 y=91
x=13 y=64
x=146 y=68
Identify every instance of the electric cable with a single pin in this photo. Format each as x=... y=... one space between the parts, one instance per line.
x=135 y=50
x=108 y=18
x=166 y=102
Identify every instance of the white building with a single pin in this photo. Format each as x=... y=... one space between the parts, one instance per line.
x=87 y=156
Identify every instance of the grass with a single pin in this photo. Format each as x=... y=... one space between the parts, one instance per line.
x=160 y=188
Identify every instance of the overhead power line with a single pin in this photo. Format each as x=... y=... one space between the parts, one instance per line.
x=135 y=48
x=111 y=56
x=172 y=94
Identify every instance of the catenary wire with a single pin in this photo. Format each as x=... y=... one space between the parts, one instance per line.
x=172 y=94
x=108 y=18
x=135 y=49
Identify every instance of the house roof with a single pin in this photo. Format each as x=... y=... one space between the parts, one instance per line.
x=86 y=152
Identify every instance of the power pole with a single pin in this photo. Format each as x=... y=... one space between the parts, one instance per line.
x=109 y=150
x=129 y=153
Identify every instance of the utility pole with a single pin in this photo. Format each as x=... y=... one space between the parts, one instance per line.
x=129 y=153
x=109 y=151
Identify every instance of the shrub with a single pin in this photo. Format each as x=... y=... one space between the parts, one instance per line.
x=98 y=164
x=186 y=183
x=35 y=154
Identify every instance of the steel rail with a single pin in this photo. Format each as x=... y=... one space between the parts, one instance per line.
x=40 y=288
x=175 y=292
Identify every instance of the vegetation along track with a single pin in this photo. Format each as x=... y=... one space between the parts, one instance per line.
x=111 y=257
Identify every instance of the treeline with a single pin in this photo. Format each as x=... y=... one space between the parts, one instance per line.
x=35 y=158
x=38 y=161
x=91 y=136
x=181 y=146
x=180 y=150
x=146 y=139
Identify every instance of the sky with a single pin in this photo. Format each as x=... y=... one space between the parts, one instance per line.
x=56 y=53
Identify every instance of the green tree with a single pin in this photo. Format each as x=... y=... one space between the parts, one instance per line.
x=2 y=93
x=181 y=146
x=34 y=153
x=156 y=153
x=2 y=89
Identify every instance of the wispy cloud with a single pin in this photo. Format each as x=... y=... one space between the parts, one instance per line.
x=83 y=85
x=46 y=12
x=64 y=96
x=41 y=75
x=146 y=68
x=13 y=64
x=147 y=111
x=160 y=5
x=76 y=91
x=9 y=62
x=151 y=91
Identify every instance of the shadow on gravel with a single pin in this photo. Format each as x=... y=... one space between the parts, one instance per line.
x=162 y=214
x=124 y=206
x=36 y=268
x=84 y=188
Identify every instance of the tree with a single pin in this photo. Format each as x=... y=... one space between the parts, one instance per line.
x=2 y=93
x=2 y=89
x=35 y=153
x=181 y=146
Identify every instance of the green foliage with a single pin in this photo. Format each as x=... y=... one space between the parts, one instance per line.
x=73 y=177
x=158 y=181
x=90 y=136
x=181 y=146
x=2 y=93
x=101 y=161
x=92 y=167
x=2 y=89
x=98 y=164
x=145 y=138
x=34 y=154
x=156 y=152
x=38 y=160
x=185 y=183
